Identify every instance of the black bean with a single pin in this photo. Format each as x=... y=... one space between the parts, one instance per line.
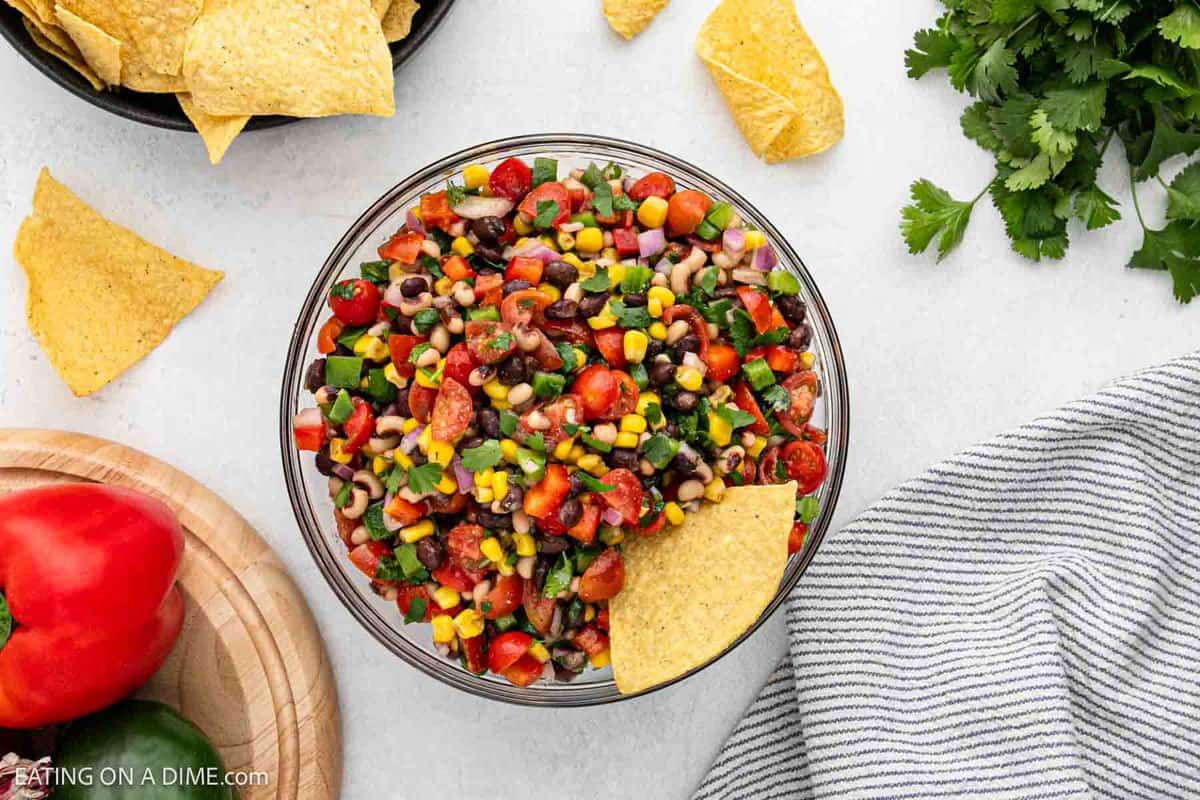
x=726 y=292
x=516 y=286
x=592 y=304
x=570 y=512
x=551 y=546
x=654 y=348
x=402 y=324
x=562 y=309
x=402 y=401
x=488 y=256
x=324 y=462
x=623 y=457
x=661 y=372
x=801 y=336
x=575 y=484
x=571 y=660
x=490 y=519
x=792 y=308
x=539 y=572
x=634 y=300
x=512 y=500
x=560 y=274
x=488 y=229
x=431 y=552
x=314 y=376
x=565 y=674
x=412 y=287
x=489 y=422
x=689 y=343
x=685 y=401
x=470 y=442
x=512 y=371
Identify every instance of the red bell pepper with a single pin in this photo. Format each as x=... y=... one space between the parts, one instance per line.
x=88 y=575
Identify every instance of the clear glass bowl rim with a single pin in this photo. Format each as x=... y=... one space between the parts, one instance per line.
x=834 y=386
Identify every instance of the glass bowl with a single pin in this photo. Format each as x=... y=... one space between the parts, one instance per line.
x=307 y=488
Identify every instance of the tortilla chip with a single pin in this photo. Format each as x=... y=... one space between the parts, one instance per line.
x=784 y=104
x=691 y=591
x=217 y=132
x=71 y=57
x=380 y=7
x=291 y=57
x=158 y=29
x=397 y=22
x=100 y=297
x=630 y=17
x=101 y=51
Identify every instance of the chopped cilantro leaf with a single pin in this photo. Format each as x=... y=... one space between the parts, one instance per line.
x=594 y=484
x=547 y=210
x=477 y=459
x=455 y=194
x=599 y=282
x=424 y=479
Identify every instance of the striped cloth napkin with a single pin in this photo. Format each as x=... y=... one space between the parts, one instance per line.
x=1020 y=622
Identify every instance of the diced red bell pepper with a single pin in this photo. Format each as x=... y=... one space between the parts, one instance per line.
x=758 y=306
x=400 y=347
x=744 y=399
x=489 y=289
x=722 y=361
x=585 y=530
x=404 y=512
x=436 y=212
x=403 y=247
x=367 y=556
x=544 y=498
x=591 y=640
x=308 y=429
x=360 y=427
x=327 y=336
x=507 y=649
x=626 y=241
x=602 y=619
x=456 y=268
x=521 y=268
x=796 y=538
x=474 y=658
x=778 y=358
x=525 y=671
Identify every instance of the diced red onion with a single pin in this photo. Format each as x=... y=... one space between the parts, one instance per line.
x=571 y=227
x=343 y=471
x=308 y=418
x=693 y=360
x=409 y=442
x=611 y=516
x=533 y=248
x=392 y=296
x=651 y=242
x=465 y=482
x=664 y=266
x=474 y=207
x=734 y=241
x=413 y=224
x=764 y=258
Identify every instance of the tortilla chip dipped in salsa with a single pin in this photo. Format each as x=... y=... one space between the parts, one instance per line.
x=772 y=78
x=100 y=297
x=691 y=591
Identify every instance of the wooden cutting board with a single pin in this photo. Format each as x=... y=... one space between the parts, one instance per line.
x=250 y=668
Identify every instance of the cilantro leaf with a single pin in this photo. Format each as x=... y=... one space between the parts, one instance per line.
x=599 y=282
x=1176 y=249
x=741 y=331
x=994 y=74
x=933 y=212
x=659 y=450
x=735 y=416
x=1182 y=26
x=932 y=49
x=593 y=484
x=1183 y=195
x=1167 y=142
x=630 y=317
x=1095 y=209
x=508 y=423
x=602 y=199
x=455 y=195
x=547 y=211
x=477 y=459
x=977 y=126
x=1077 y=107
x=536 y=442
x=424 y=479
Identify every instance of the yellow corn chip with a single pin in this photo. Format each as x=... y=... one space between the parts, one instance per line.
x=217 y=132
x=290 y=57
x=397 y=22
x=70 y=57
x=691 y=591
x=158 y=30
x=630 y=17
x=772 y=77
x=101 y=51
x=380 y=7
x=100 y=297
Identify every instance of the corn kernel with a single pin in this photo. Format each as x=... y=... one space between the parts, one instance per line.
x=539 y=651
x=634 y=423
x=337 y=451
x=500 y=485
x=586 y=268
x=616 y=273
x=379 y=465
x=645 y=399
x=654 y=307
x=689 y=378
x=588 y=462
x=409 y=425
x=755 y=239
x=674 y=514
x=501 y=405
x=564 y=241
x=573 y=260
x=424 y=438
x=662 y=294
x=610 y=254
x=601 y=660
x=427 y=379
x=495 y=390
x=760 y=444
x=626 y=439
x=603 y=320
x=652 y=213
x=807 y=359
x=549 y=241
x=634 y=344
x=443 y=629
x=580 y=357
x=417 y=531
x=484 y=494
x=509 y=449
x=610 y=535
x=504 y=568
x=447 y=485
x=577 y=452
x=589 y=612
x=721 y=394
x=484 y=477
x=525 y=544
x=445 y=597
x=441 y=453
x=522 y=226
x=393 y=377
x=443 y=286
x=476 y=176
x=563 y=449
x=462 y=246
x=657 y=330
x=715 y=489
x=492 y=549
x=719 y=429
x=371 y=347
x=550 y=291
x=590 y=240
x=402 y=460
x=468 y=623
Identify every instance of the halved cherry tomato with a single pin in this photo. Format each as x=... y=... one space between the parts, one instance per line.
x=406 y=594
x=403 y=247
x=489 y=289
x=580 y=194
x=346 y=527
x=805 y=464
x=744 y=399
x=404 y=512
x=597 y=390
x=602 y=619
x=521 y=268
x=327 y=336
x=548 y=193
x=354 y=301
x=490 y=342
x=814 y=434
x=511 y=179
x=507 y=648
x=625 y=496
x=617 y=219
x=611 y=344
x=457 y=577
x=367 y=556
x=722 y=361
x=308 y=430
x=539 y=610
x=694 y=320
x=451 y=411
x=543 y=499
x=524 y=307
x=400 y=347
x=585 y=530
x=360 y=427
x=565 y=410
x=504 y=598
x=456 y=268
x=768 y=467
x=462 y=545
x=686 y=210
x=782 y=359
x=472 y=654
x=574 y=331
x=591 y=640
x=604 y=577
x=652 y=184
x=546 y=354
x=802 y=392
x=627 y=395
x=459 y=366
x=526 y=671
x=420 y=403
x=436 y=212
x=758 y=306
x=626 y=242
x=796 y=538
x=652 y=524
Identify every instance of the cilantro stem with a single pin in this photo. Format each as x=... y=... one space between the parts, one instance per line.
x=1107 y=140
x=1136 y=206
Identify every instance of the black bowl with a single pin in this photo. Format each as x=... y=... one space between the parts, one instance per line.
x=161 y=110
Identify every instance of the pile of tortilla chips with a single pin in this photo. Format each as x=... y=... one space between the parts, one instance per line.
x=691 y=591
x=228 y=60
x=100 y=297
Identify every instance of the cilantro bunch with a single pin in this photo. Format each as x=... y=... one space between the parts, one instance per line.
x=1055 y=82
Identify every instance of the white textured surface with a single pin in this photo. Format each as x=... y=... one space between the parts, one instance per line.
x=939 y=357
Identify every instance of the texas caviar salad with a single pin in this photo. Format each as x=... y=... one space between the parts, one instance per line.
x=537 y=368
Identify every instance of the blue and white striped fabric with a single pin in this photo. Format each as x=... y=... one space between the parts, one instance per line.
x=1022 y=621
